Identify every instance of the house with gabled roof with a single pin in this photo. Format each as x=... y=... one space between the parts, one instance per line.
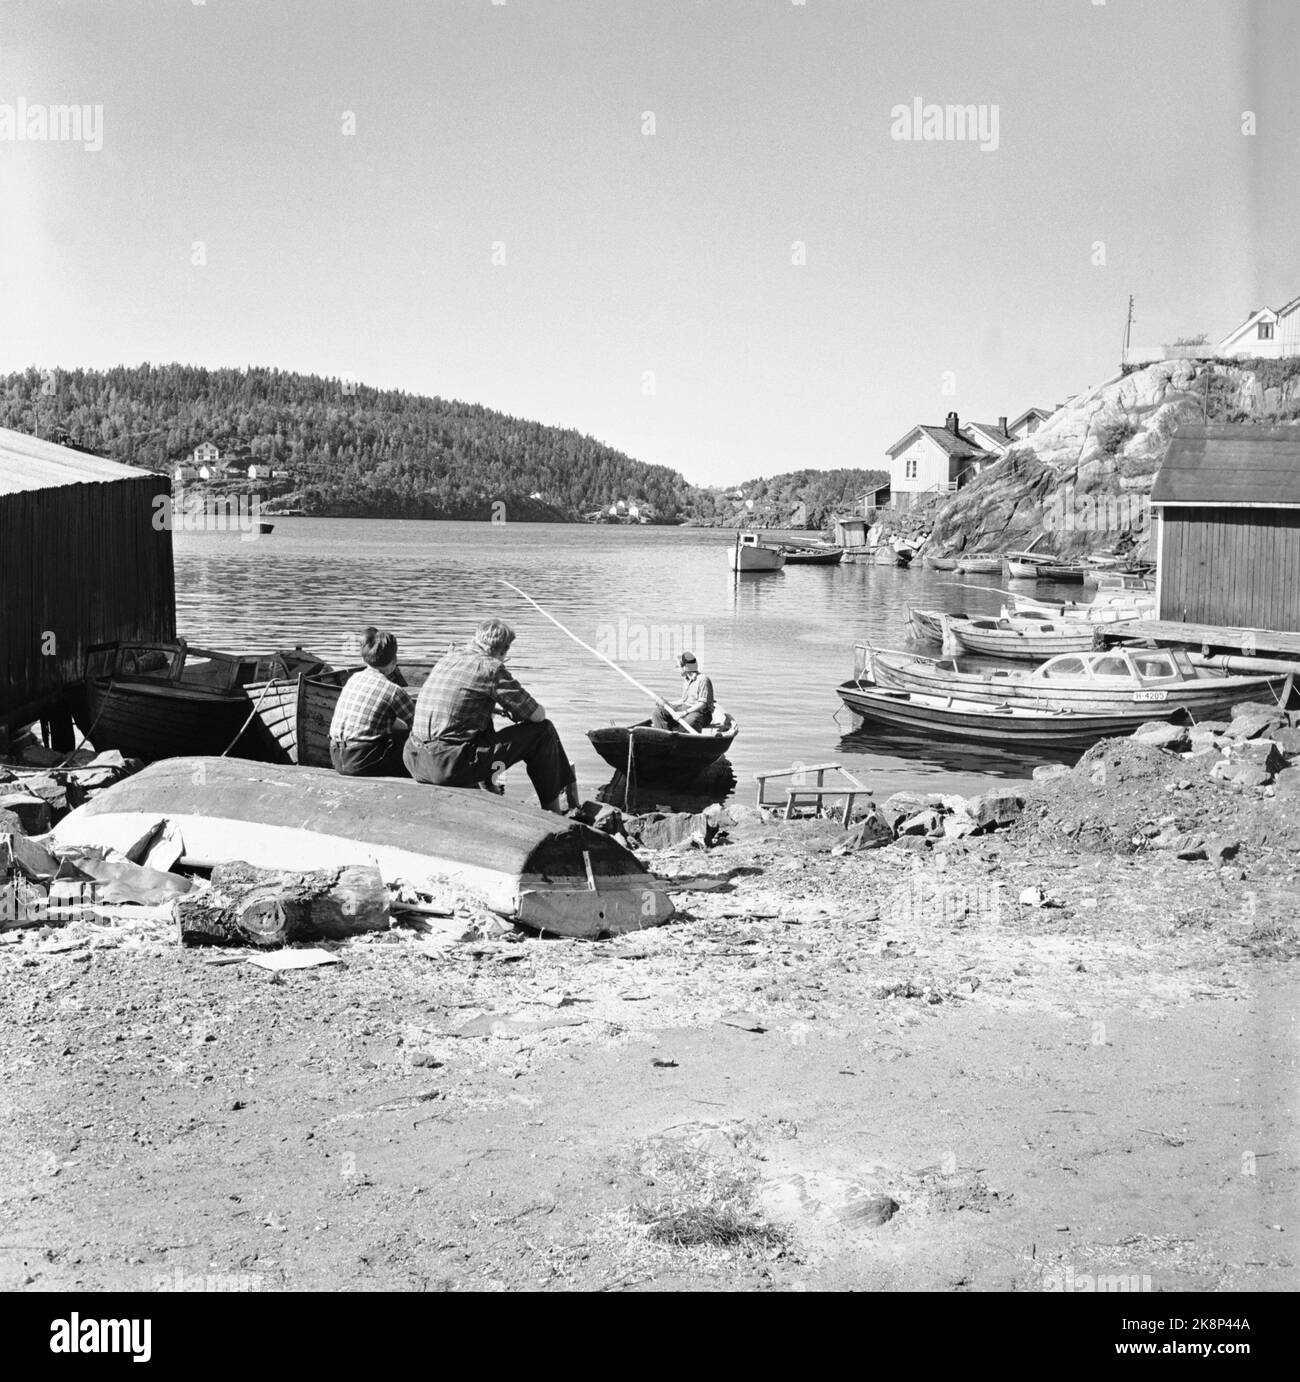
x=993 y=437
x=1267 y=334
x=1027 y=423
x=933 y=461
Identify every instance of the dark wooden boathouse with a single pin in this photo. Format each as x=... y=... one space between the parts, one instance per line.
x=85 y=557
x=1228 y=502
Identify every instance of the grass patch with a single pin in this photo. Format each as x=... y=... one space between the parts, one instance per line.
x=696 y=1199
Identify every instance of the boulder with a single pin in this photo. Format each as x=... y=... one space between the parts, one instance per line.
x=32 y=813
x=10 y=824
x=1264 y=753
x=1047 y=772
x=663 y=832
x=1288 y=740
x=1240 y=774
x=957 y=827
x=1219 y=849
x=901 y=805
x=1160 y=734
x=995 y=808
x=1287 y=783
x=1250 y=721
x=914 y=843
x=928 y=822
x=1199 y=739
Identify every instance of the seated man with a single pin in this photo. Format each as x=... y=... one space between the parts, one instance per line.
x=373 y=714
x=453 y=739
x=696 y=705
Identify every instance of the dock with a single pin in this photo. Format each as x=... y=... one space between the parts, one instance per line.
x=1208 y=638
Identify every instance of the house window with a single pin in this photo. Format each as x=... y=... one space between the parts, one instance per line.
x=1266 y=331
x=911 y=470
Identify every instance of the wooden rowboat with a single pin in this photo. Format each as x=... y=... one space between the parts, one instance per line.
x=294 y=713
x=980 y=565
x=162 y=700
x=949 y=717
x=1020 y=637
x=661 y=753
x=1133 y=685
x=811 y=557
x=941 y=563
x=545 y=872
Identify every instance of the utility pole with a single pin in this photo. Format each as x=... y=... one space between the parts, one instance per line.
x=1128 y=332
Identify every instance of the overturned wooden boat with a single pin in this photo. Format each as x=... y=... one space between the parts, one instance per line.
x=293 y=713
x=541 y=870
x=160 y=700
x=1133 y=685
x=664 y=754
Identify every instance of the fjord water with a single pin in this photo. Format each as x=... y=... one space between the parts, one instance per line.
x=776 y=645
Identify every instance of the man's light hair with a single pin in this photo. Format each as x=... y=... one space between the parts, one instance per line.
x=494 y=636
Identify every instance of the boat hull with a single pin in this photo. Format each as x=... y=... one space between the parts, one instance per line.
x=814 y=558
x=664 y=755
x=980 y=566
x=1208 y=701
x=152 y=720
x=756 y=559
x=545 y=872
x=990 y=724
x=1032 y=643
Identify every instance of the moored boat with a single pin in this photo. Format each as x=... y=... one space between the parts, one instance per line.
x=663 y=753
x=548 y=873
x=163 y=700
x=941 y=563
x=1018 y=569
x=1020 y=637
x=811 y=556
x=1132 y=685
x=979 y=564
x=947 y=717
x=750 y=554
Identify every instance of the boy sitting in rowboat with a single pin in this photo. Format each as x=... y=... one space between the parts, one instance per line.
x=696 y=705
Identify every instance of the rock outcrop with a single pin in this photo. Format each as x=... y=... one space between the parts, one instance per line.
x=1084 y=477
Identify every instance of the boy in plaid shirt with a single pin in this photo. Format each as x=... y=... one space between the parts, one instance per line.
x=373 y=715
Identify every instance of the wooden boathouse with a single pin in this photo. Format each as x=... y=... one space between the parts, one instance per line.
x=85 y=557
x=1228 y=502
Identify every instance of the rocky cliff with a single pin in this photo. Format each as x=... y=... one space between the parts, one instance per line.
x=1083 y=479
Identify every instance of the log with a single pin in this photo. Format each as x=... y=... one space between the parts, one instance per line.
x=269 y=907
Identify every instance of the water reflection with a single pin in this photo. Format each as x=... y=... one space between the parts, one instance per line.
x=715 y=784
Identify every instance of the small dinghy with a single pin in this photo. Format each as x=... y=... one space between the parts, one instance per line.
x=547 y=873
x=664 y=753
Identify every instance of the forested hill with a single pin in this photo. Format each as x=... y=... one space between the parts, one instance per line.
x=367 y=451
x=797 y=499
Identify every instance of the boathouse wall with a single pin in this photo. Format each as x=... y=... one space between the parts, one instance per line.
x=1228 y=500
x=1234 y=567
x=81 y=562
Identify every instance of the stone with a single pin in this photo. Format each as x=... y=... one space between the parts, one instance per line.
x=1219 y=849
x=871 y=1211
x=1240 y=774
x=663 y=832
x=1288 y=740
x=957 y=827
x=33 y=814
x=1264 y=753
x=1047 y=772
x=1161 y=735
x=1250 y=721
x=1199 y=738
x=915 y=843
x=923 y=823
x=10 y=824
x=904 y=804
x=1287 y=783
x=995 y=808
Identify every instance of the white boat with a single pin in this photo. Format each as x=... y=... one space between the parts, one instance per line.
x=750 y=554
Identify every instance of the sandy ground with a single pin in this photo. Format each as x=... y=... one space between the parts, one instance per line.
x=872 y=1071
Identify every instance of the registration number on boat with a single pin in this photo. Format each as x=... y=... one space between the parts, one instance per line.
x=1150 y=695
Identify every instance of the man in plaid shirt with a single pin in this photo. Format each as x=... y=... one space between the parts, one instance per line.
x=373 y=714
x=454 y=741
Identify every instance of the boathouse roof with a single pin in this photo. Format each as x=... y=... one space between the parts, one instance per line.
x=1233 y=465
x=31 y=463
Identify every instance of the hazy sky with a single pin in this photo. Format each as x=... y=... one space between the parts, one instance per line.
x=647 y=170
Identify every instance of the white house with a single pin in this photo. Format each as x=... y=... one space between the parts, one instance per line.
x=259 y=472
x=1027 y=423
x=1267 y=334
x=206 y=453
x=993 y=437
x=933 y=460
x=183 y=474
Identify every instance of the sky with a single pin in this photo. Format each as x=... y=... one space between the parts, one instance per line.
x=690 y=228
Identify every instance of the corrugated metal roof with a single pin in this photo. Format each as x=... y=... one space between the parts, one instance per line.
x=1231 y=464
x=29 y=463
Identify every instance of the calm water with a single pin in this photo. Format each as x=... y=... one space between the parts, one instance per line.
x=775 y=645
